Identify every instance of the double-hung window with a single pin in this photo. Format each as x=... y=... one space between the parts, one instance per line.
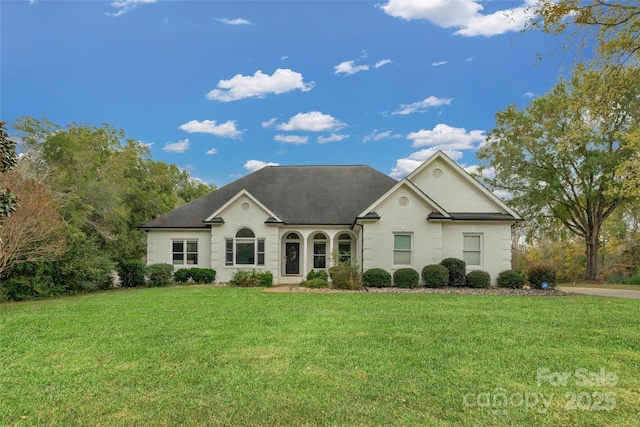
x=472 y=249
x=402 y=247
x=184 y=252
x=244 y=249
x=344 y=248
x=319 y=251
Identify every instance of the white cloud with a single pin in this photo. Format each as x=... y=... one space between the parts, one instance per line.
x=126 y=5
x=314 y=121
x=176 y=147
x=254 y=165
x=446 y=136
x=465 y=15
x=407 y=165
x=237 y=21
x=212 y=151
x=269 y=123
x=332 y=138
x=529 y=94
x=439 y=63
x=470 y=59
x=375 y=136
x=349 y=68
x=259 y=85
x=225 y=130
x=291 y=139
x=422 y=106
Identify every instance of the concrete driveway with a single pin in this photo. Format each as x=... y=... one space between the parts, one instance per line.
x=613 y=293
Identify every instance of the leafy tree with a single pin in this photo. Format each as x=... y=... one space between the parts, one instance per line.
x=613 y=24
x=8 y=159
x=107 y=185
x=560 y=157
x=35 y=232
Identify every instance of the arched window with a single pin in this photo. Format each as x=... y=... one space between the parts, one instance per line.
x=245 y=249
x=344 y=247
x=319 y=251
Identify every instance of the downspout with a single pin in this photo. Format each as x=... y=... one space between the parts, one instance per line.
x=361 y=247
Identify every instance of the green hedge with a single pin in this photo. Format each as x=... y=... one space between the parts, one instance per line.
x=315 y=283
x=435 y=276
x=159 y=275
x=540 y=273
x=376 y=278
x=406 y=278
x=198 y=275
x=511 y=279
x=132 y=274
x=478 y=279
x=251 y=279
x=457 y=271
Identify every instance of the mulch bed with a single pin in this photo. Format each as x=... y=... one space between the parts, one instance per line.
x=450 y=290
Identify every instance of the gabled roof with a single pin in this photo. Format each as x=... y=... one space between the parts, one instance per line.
x=411 y=186
x=213 y=218
x=467 y=178
x=322 y=195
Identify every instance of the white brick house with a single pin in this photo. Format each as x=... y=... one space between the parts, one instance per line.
x=289 y=220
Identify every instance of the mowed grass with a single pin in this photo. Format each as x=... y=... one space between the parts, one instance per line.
x=242 y=357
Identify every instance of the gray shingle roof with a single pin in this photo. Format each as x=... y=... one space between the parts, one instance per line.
x=323 y=195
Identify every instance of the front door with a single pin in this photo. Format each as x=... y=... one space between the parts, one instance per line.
x=293 y=258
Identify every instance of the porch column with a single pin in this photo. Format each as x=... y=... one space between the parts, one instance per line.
x=304 y=249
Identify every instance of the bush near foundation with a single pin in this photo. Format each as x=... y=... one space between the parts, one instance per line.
x=457 y=271
x=406 y=278
x=159 y=275
x=511 y=279
x=376 y=278
x=435 y=276
x=478 y=279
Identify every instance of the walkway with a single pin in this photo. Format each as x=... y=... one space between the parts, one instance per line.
x=613 y=293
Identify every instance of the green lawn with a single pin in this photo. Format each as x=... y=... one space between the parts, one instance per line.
x=227 y=356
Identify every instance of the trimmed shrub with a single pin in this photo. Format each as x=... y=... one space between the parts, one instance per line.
x=182 y=275
x=244 y=279
x=203 y=275
x=345 y=276
x=540 y=273
x=315 y=283
x=511 y=279
x=478 y=279
x=406 y=278
x=159 y=275
x=265 y=278
x=457 y=271
x=251 y=279
x=435 y=276
x=376 y=278
x=131 y=274
x=311 y=275
x=322 y=274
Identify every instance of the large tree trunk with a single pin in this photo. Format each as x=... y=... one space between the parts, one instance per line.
x=593 y=245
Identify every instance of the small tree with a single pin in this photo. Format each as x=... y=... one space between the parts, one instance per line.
x=36 y=231
x=8 y=159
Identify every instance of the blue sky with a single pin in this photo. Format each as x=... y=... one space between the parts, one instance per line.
x=221 y=88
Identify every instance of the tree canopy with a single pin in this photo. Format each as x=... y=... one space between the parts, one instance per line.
x=614 y=25
x=102 y=185
x=562 y=157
